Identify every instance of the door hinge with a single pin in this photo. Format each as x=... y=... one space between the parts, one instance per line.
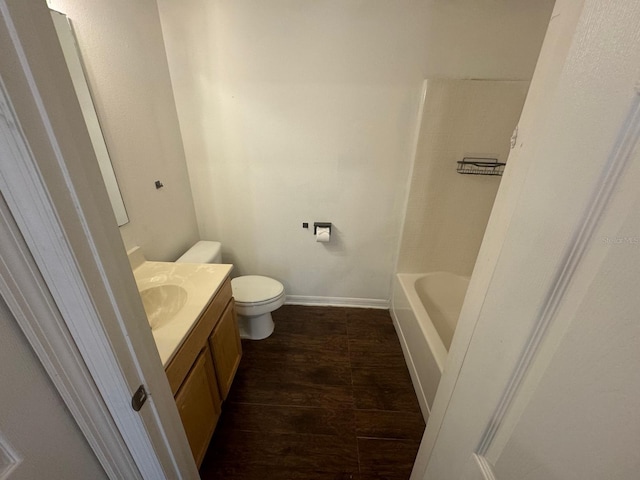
x=138 y=399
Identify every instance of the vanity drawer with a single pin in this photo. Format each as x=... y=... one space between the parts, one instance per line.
x=186 y=355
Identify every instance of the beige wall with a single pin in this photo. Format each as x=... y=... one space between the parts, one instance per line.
x=483 y=38
x=125 y=61
x=447 y=212
x=306 y=111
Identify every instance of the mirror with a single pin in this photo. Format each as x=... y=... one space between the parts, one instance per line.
x=74 y=64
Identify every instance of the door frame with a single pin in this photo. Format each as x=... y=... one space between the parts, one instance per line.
x=64 y=271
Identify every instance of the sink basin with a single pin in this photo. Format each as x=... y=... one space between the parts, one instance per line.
x=174 y=295
x=162 y=302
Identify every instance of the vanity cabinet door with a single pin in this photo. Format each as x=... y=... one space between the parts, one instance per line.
x=226 y=348
x=198 y=402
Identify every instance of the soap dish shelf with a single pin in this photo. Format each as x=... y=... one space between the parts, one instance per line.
x=480 y=166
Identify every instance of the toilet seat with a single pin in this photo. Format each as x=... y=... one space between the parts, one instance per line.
x=256 y=290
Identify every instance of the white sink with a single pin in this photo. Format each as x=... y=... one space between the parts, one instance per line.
x=174 y=295
x=162 y=303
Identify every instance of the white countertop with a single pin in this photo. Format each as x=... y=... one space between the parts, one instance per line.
x=201 y=281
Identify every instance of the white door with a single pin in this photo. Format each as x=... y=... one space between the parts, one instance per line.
x=542 y=379
x=38 y=436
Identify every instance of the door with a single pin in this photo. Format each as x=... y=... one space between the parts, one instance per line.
x=38 y=436
x=541 y=380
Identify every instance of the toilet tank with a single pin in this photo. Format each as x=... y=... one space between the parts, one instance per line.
x=203 y=252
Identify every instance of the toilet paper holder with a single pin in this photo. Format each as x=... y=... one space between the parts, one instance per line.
x=321 y=225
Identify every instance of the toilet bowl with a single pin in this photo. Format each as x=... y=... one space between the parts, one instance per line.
x=255 y=296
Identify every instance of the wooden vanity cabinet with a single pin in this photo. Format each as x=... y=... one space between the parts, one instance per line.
x=226 y=348
x=201 y=372
x=185 y=357
x=199 y=404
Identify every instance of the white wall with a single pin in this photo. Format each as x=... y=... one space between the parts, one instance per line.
x=447 y=212
x=305 y=111
x=121 y=46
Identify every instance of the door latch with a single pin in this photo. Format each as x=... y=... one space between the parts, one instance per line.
x=138 y=399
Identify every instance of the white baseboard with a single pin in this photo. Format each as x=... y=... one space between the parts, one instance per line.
x=337 y=302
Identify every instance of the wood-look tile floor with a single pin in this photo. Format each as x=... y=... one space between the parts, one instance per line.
x=327 y=396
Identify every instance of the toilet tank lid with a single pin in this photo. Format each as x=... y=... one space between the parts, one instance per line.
x=202 y=252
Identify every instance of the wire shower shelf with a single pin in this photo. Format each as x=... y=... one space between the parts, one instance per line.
x=480 y=166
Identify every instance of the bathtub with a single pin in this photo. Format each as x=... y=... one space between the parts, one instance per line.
x=425 y=310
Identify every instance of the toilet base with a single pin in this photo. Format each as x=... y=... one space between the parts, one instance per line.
x=257 y=327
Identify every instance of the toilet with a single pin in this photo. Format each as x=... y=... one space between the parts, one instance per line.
x=255 y=296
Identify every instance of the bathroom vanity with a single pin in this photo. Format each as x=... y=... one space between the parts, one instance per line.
x=201 y=372
x=192 y=315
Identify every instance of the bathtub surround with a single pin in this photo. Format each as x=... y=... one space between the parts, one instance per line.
x=303 y=111
x=447 y=212
x=125 y=62
x=446 y=216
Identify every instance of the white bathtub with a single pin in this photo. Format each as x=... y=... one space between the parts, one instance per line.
x=425 y=308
